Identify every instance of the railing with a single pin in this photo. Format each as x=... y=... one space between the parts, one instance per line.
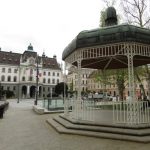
x=53 y=104
x=82 y=110
x=136 y=112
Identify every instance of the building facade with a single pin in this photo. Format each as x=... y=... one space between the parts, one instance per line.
x=91 y=84
x=111 y=87
x=72 y=79
x=27 y=73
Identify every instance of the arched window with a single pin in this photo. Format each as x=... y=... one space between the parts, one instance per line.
x=57 y=74
x=3 y=78
x=15 y=70
x=15 y=79
x=53 y=81
x=30 y=78
x=3 y=69
x=49 y=80
x=9 y=78
x=44 y=80
x=57 y=80
x=23 y=78
x=9 y=70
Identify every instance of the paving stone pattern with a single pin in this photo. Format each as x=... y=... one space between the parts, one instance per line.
x=23 y=129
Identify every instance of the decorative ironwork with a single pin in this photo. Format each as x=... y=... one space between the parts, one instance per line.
x=124 y=112
x=134 y=112
x=110 y=50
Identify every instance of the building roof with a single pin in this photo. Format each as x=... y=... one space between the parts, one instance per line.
x=108 y=35
x=9 y=58
x=111 y=34
x=50 y=63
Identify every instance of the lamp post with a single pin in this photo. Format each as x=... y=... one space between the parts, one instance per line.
x=37 y=73
x=18 y=84
x=0 y=91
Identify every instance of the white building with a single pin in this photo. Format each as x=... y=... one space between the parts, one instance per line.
x=19 y=72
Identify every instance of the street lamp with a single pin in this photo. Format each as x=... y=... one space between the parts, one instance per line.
x=18 y=84
x=37 y=73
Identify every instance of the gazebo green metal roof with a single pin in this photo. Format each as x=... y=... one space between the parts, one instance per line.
x=108 y=35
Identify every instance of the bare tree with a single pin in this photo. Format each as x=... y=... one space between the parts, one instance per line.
x=137 y=13
x=109 y=2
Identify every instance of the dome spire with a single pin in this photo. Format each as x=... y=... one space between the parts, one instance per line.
x=43 y=55
x=30 y=47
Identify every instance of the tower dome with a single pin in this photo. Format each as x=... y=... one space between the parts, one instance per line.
x=30 y=47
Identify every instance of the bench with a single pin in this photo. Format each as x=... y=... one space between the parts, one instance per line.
x=3 y=108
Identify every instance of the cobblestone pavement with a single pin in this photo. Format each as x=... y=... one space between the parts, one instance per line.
x=22 y=129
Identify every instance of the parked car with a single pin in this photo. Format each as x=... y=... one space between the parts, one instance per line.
x=101 y=96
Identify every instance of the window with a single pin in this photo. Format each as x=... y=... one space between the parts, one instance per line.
x=8 y=88
x=23 y=78
x=53 y=81
x=31 y=61
x=9 y=70
x=14 y=88
x=48 y=89
x=44 y=73
x=57 y=74
x=15 y=79
x=3 y=69
x=57 y=80
x=44 y=80
x=3 y=78
x=30 y=78
x=31 y=71
x=15 y=70
x=49 y=80
x=49 y=73
x=53 y=73
x=9 y=78
x=43 y=89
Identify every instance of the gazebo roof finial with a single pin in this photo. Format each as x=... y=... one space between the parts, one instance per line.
x=111 y=17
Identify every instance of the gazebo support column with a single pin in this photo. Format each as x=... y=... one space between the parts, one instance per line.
x=131 y=112
x=66 y=107
x=130 y=73
x=133 y=105
x=78 y=102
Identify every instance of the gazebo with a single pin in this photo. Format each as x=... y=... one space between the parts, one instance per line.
x=111 y=47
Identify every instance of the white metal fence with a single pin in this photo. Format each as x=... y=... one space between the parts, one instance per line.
x=82 y=110
x=136 y=112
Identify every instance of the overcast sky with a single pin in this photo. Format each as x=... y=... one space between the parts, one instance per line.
x=49 y=25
